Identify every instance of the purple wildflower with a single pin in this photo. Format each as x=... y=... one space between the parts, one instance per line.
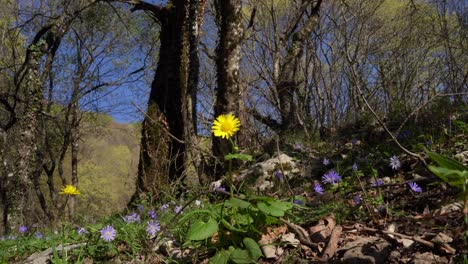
x=141 y=208
x=81 y=231
x=354 y=141
x=427 y=143
x=298 y=146
x=39 y=235
x=279 y=175
x=357 y=199
x=378 y=182
x=164 y=207
x=23 y=229
x=222 y=189
x=177 y=209
x=326 y=161
x=414 y=187
x=152 y=227
x=318 y=188
x=133 y=217
x=152 y=214
x=331 y=177
x=298 y=202
x=108 y=233
x=355 y=167
x=395 y=163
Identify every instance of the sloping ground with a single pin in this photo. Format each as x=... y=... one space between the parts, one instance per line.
x=108 y=160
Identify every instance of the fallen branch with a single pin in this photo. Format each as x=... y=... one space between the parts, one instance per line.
x=302 y=235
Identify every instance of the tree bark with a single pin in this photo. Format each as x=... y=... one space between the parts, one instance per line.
x=168 y=126
x=228 y=55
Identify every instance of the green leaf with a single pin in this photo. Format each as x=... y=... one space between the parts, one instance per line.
x=201 y=230
x=455 y=178
x=235 y=202
x=446 y=162
x=238 y=156
x=268 y=209
x=240 y=256
x=189 y=215
x=243 y=219
x=222 y=257
x=282 y=205
x=252 y=247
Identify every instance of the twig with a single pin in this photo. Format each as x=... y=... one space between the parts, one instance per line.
x=300 y=232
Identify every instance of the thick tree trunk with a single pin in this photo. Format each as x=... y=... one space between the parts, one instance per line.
x=169 y=127
x=228 y=55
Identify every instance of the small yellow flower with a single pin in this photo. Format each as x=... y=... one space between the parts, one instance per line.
x=225 y=126
x=69 y=190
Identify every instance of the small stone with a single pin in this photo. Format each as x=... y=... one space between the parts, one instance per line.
x=290 y=239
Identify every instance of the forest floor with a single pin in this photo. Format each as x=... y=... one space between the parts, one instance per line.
x=377 y=210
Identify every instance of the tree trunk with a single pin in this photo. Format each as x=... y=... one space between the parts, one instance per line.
x=29 y=83
x=289 y=80
x=228 y=55
x=168 y=126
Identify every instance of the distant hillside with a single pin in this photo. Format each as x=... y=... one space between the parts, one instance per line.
x=108 y=160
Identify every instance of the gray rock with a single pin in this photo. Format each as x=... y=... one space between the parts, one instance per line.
x=44 y=256
x=366 y=250
x=462 y=157
x=428 y=258
x=261 y=175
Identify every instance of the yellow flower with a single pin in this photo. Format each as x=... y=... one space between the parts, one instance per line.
x=225 y=126
x=69 y=190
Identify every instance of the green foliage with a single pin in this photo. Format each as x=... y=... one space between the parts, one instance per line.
x=202 y=230
x=450 y=170
x=238 y=156
x=237 y=222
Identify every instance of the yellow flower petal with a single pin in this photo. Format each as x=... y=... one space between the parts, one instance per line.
x=225 y=126
x=70 y=190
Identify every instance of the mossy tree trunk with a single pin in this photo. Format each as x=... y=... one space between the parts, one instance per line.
x=29 y=84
